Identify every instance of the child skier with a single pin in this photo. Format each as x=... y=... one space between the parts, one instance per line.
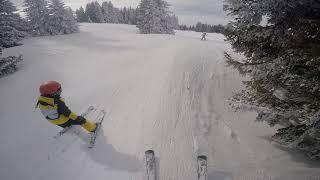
x=55 y=110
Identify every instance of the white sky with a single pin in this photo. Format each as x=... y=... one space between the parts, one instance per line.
x=188 y=11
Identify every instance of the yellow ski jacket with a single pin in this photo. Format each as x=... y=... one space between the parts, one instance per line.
x=56 y=112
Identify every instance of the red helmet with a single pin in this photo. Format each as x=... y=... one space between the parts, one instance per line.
x=50 y=88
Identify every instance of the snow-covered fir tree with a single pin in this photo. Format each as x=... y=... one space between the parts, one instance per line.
x=94 y=12
x=283 y=60
x=175 y=22
x=119 y=16
x=129 y=15
x=37 y=14
x=200 y=27
x=12 y=30
x=12 y=26
x=61 y=19
x=125 y=15
x=132 y=14
x=146 y=16
x=9 y=64
x=154 y=17
x=166 y=24
x=109 y=12
x=81 y=15
x=71 y=22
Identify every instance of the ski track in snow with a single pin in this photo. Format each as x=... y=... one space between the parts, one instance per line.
x=168 y=93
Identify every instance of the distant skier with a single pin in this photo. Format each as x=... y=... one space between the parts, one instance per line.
x=204 y=35
x=55 y=110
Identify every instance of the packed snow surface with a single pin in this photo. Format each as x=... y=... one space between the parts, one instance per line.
x=162 y=92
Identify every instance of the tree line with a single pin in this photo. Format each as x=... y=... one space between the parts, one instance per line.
x=202 y=27
x=49 y=17
x=106 y=13
x=151 y=16
x=41 y=18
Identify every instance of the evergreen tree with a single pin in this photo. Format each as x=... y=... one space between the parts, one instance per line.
x=154 y=17
x=61 y=19
x=183 y=27
x=70 y=22
x=56 y=18
x=118 y=16
x=12 y=30
x=94 y=12
x=162 y=12
x=109 y=12
x=9 y=64
x=283 y=60
x=37 y=14
x=125 y=15
x=175 y=22
x=132 y=13
x=200 y=27
x=12 y=26
x=81 y=15
x=146 y=16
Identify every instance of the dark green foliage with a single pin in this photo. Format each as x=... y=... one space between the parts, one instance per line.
x=8 y=65
x=94 y=12
x=110 y=14
x=37 y=14
x=81 y=15
x=49 y=18
x=200 y=27
x=129 y=15
x=61 y=19
x=155 y=17
x=282 y=58
x=12 y=26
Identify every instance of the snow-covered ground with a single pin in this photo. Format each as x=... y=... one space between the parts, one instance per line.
x=164 y=92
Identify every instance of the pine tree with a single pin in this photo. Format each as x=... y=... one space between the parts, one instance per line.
x=56 y=18
x=12 y=30
x=12 y=26
x=125 y=15
x=118 y=16
x=81 y=15
x=175 y=22
x=94 y=12
x=183 y=27
x=109 y=12
x=132 y=13
x=146 y=16
x=283 y=61
x=61 y=19
x=154 y=17
x=199 y=27
x=37 y=14
x=71 y=22
x=163 y=13
x=9 y=64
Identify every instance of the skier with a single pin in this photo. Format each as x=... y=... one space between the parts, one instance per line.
x=55 y=110
x=204 y=36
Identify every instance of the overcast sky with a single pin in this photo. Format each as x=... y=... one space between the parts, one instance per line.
x=188 y=11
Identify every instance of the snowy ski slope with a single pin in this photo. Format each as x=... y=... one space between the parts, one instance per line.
x=164 y=92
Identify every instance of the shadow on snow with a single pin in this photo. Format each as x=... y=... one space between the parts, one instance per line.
x=107 y=155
